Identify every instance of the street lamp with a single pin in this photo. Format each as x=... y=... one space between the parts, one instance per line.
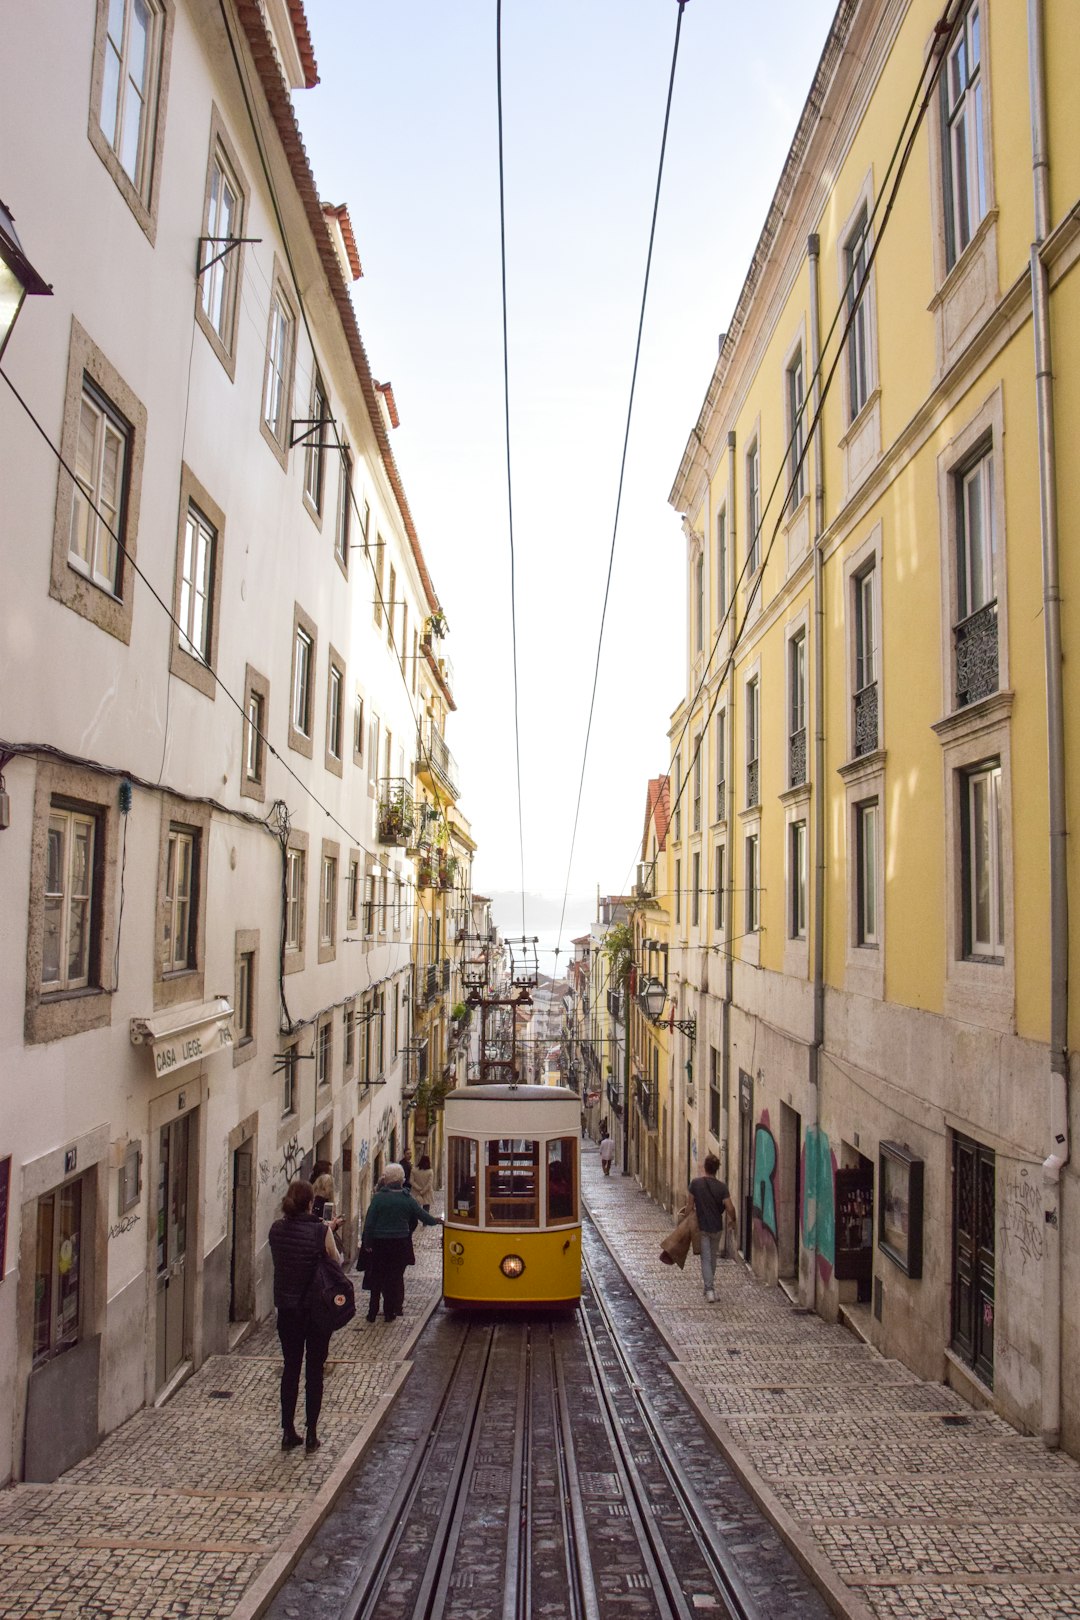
x=652 y=998
x=17 y=277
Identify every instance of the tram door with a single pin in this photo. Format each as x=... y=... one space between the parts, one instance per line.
x=172 y=1241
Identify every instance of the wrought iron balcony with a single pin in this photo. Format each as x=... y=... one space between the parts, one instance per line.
x=866 y=720
x=397 y=810
x=437 y=760
x=646 y=880
x=797 y=758
x=976 y=645
x=753 y=782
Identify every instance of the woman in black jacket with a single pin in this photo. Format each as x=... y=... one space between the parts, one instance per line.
x=295 y=1242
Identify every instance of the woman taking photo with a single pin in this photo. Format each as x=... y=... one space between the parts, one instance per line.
x=295 y=1242
x=388 y=1226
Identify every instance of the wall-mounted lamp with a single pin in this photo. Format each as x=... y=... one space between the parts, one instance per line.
x=17 y=277
x=652 y=998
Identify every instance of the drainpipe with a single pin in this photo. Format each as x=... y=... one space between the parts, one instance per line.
x=813 y=249
x=729 y=916
x=1055 y=747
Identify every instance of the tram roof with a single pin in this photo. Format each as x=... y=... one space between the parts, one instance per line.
x=488 y=1093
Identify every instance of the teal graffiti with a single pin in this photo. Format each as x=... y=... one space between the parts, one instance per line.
x=765 y=1178
x=818 y=1212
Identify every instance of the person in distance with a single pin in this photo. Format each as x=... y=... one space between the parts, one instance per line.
x=712 y=1200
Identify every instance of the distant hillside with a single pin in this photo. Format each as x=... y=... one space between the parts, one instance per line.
x=542 y=913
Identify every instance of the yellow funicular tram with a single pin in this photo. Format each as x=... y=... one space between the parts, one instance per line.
x=512 y=1236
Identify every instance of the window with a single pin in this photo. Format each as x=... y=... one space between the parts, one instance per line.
x=315 y=430
x=196 y=574
x=865 y=647
x=721 y=564
x=335 y=714
x=866 y=875
x=753 y=510
x=344 y=511
x=964 y=136
x=328 y=900
x=181 y=899
x=856 y=257
x=391 y=610
x=324 y=1052
x=797 y=709
x=697 y=781
x=699 y=604
x=131 y=52
x=221 y=249
x=678 y=891
x=101 y=470
x=353 y=900
x=358 y=730
x=796 y=422
x=975 y=634
x=67 y=958
x=61 y=1243
x=245 y=998
x=511 y=1189
x=253 y=751
x=380 y=548
x=695 y=889
x=288 y=1071
x=302 y=701
x=256 y=721
x=462 y=1171
x=797 y=877
x=753 y=884
x=753 y=740
x=373 y=753
x=718 y=889
x=348 y=1051
x=714 y=1092
x=378 y=1032
x=369 y=905
x=561 y=1164
x=277 y=378
x=294 y=899
x=721 y=766
x=676 y=798
x=365 y=522
x=984 y=888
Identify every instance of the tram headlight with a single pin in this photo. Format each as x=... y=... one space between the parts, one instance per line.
x=512 y=1265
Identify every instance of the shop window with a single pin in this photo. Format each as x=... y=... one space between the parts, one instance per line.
x=58 y=1272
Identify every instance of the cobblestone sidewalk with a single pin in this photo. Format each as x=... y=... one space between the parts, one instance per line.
x=911 y=1505
x=189 y=1510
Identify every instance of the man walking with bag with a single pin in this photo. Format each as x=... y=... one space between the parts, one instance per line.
x=714 y=1207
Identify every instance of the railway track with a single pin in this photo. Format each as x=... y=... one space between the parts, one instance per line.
x=531 y=1476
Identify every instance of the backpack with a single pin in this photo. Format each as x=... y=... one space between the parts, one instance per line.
x=330 y=1300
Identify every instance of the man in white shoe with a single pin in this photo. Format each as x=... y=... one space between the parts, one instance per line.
x=714 y=1207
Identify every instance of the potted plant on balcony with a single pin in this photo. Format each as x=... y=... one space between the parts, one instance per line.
x=425 y=869
x=395 y=817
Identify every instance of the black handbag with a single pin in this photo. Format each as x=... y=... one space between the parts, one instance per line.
x=330 y=1300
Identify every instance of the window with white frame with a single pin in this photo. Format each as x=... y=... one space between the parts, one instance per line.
x=867 y=825
x=984 y=888
x=721 y=765
x=678 y=891
x=718 y=888
x=975 y=634
x=964 y=135
x=797 y=709
x=348 y=1053
x=294 y=899
x=315 y=430
x=277 y=383
x=344 y=511
x=303 y=661
x=369 y=905
x=353 y=900
x=856 y=271
x=223 y=224
x=181 y=900
x=196 y=584
x=753 y=742
x=256 y=719
x=721 y=564
x=128 y=108
x=101 y=470
x=797 y=879
x=676 y=798
x=753 y=510
x=697 y=782
x=695 y=889
x=245 y=998
x=68 y=945
x=289 y=1090
x=752 y=870
x=795 y=379
x=335 y=717
x=328 y=901
x=324 y=1052
x=865 y=648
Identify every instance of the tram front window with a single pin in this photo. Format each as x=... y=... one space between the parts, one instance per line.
x=561 y=1192
x=463 y=1158
x=512 y=1182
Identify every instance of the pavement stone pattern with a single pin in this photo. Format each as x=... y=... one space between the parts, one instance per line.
x=924 y=1508
x=179 y=1509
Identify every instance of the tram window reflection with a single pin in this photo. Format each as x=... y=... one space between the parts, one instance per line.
x=463 y=1157
x=512 y=1181
x=561 y=1188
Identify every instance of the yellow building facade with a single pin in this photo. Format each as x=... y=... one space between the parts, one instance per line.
x=870 y=767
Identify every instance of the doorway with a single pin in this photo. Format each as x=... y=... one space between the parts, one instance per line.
x=174 y=1168
x=241 y=1290
x=746 y=1164
x=789 y=1191
x=974 y=1174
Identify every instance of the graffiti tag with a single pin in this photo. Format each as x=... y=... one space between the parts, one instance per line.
x=1021 y=1223
x=122 y=1226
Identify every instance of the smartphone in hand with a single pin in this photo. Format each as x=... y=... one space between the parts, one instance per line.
x=328 y=1211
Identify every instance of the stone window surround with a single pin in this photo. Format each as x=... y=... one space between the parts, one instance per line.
x=66 y=584
x=749 y=940
x=315 y=513
x=301 y=742
x=324 y=1021
x=182 y=663
x=335 y=762
x=343 y=512
x=984 y=429
x=799 y=625
x=796 y=521
x=861 y=439
x=246 y=944
x=856 y=562
x=359 y=724
x=331 y=851
x=797 y=950
x=280 y=287
x=255 y=787
x=753 y=444
x=53 y=1015
x=751 y=674
x=173 y=989
x=287 y=1121
x=354 y=913
x=224 y=348
x=864 y=965
x=294 y=961
x=145 y=210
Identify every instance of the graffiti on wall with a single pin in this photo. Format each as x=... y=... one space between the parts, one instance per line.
x=364 y=1154
x=292 y=1157
x=125 y=1224
x=1021 y=1219
x=765 y=1175
x=818 y=1211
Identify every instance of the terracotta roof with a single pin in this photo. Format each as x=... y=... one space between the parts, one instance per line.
x=303 y=43
x=339 y=212
x=657 y=812
x=281 y=110
x=387 y=392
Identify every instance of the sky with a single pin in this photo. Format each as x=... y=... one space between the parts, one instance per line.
x=403 y=128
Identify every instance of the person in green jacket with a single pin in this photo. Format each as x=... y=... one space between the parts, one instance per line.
x=390 y=1221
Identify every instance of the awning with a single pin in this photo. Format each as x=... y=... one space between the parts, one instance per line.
x=185 y=1035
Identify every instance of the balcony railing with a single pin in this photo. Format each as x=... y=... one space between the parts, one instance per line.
x=438 y=759
x=753 y=778
x=976 y=643
x=646 y=880
x=397 y=810
x=866 y=720
x=797 y=758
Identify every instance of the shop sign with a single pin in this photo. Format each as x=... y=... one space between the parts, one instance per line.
x=178 y=1041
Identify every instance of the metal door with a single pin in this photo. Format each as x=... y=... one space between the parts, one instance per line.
x=746 y=1162
x=171 y=1253
x=973 y=1255
x=240 y=1305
